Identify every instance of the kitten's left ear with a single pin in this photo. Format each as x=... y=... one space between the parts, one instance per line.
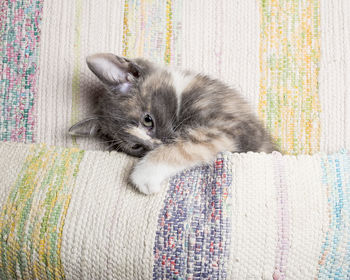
x=87 y=127
x=112 y=70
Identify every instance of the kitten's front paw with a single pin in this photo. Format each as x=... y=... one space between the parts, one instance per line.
x=148 y=177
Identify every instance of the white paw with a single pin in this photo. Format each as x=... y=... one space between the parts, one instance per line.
x=149 y=177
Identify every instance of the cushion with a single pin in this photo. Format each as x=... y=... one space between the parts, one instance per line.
x=69 y=213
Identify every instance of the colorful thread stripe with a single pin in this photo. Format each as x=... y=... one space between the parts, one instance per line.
x=152 y=29
x=334 y=261
x=32 y=220
x=19 y=52
x=289 y=66
x=193 y=236
x=77 y=66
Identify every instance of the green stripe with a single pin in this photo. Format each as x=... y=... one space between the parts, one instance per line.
x=31 y=222
x=77 y=66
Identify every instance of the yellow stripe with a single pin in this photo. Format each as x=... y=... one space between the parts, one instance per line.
x=125 y=28
x=32 y=220
x=169 y=31
x=289 y=58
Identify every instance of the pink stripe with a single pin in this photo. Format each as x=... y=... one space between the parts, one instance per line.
x=283 y=243
x=19 y=51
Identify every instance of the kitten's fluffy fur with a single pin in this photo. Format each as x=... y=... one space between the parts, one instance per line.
x=194 y=117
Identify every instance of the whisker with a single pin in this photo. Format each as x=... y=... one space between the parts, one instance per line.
x=113 y=145
x=185 y=119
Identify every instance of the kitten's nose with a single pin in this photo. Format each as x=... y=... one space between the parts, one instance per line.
x=156 y=144
x=151 y=145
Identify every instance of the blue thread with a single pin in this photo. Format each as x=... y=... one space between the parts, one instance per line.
x=194 y=225
x=336 y=177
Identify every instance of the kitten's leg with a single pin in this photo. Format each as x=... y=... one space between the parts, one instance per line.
x=166 y=160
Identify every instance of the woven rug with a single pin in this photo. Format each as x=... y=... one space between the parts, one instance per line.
x=70 y=213
x=67 y=210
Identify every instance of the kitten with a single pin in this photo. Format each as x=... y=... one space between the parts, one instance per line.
x=172 y=119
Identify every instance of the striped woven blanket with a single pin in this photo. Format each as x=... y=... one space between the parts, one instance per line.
x=66 y=208
x=69 y=213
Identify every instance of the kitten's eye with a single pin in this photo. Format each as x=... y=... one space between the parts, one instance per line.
x=148 y=121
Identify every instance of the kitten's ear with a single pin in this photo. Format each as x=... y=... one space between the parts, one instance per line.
x=87 y=127
x=112 y=70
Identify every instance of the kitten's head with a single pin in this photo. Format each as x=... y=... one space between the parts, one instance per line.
x=137 y=112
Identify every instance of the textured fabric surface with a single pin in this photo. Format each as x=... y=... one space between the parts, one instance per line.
x=334 y=80
x=291 y=66
x=71 y=214
x=67 y=210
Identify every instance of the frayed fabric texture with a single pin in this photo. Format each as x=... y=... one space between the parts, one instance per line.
x=67 y=210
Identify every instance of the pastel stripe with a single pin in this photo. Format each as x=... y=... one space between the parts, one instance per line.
x=283 y=231
x=194 y=224
x=148 y=30
x=126 y=32
x=169 y=31
x=289 y=65
x=334 y=262
x=33 y=216
x=19 y=52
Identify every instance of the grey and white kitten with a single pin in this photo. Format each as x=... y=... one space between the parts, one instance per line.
x=172 y=119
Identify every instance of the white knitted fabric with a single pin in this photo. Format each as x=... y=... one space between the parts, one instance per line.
x=334 y=78
x=225 y=45
x=277 y=217
x=71 y=30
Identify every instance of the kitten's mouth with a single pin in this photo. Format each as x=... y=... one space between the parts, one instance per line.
x=137 y=147
x=137 y=150
x=167 y=140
